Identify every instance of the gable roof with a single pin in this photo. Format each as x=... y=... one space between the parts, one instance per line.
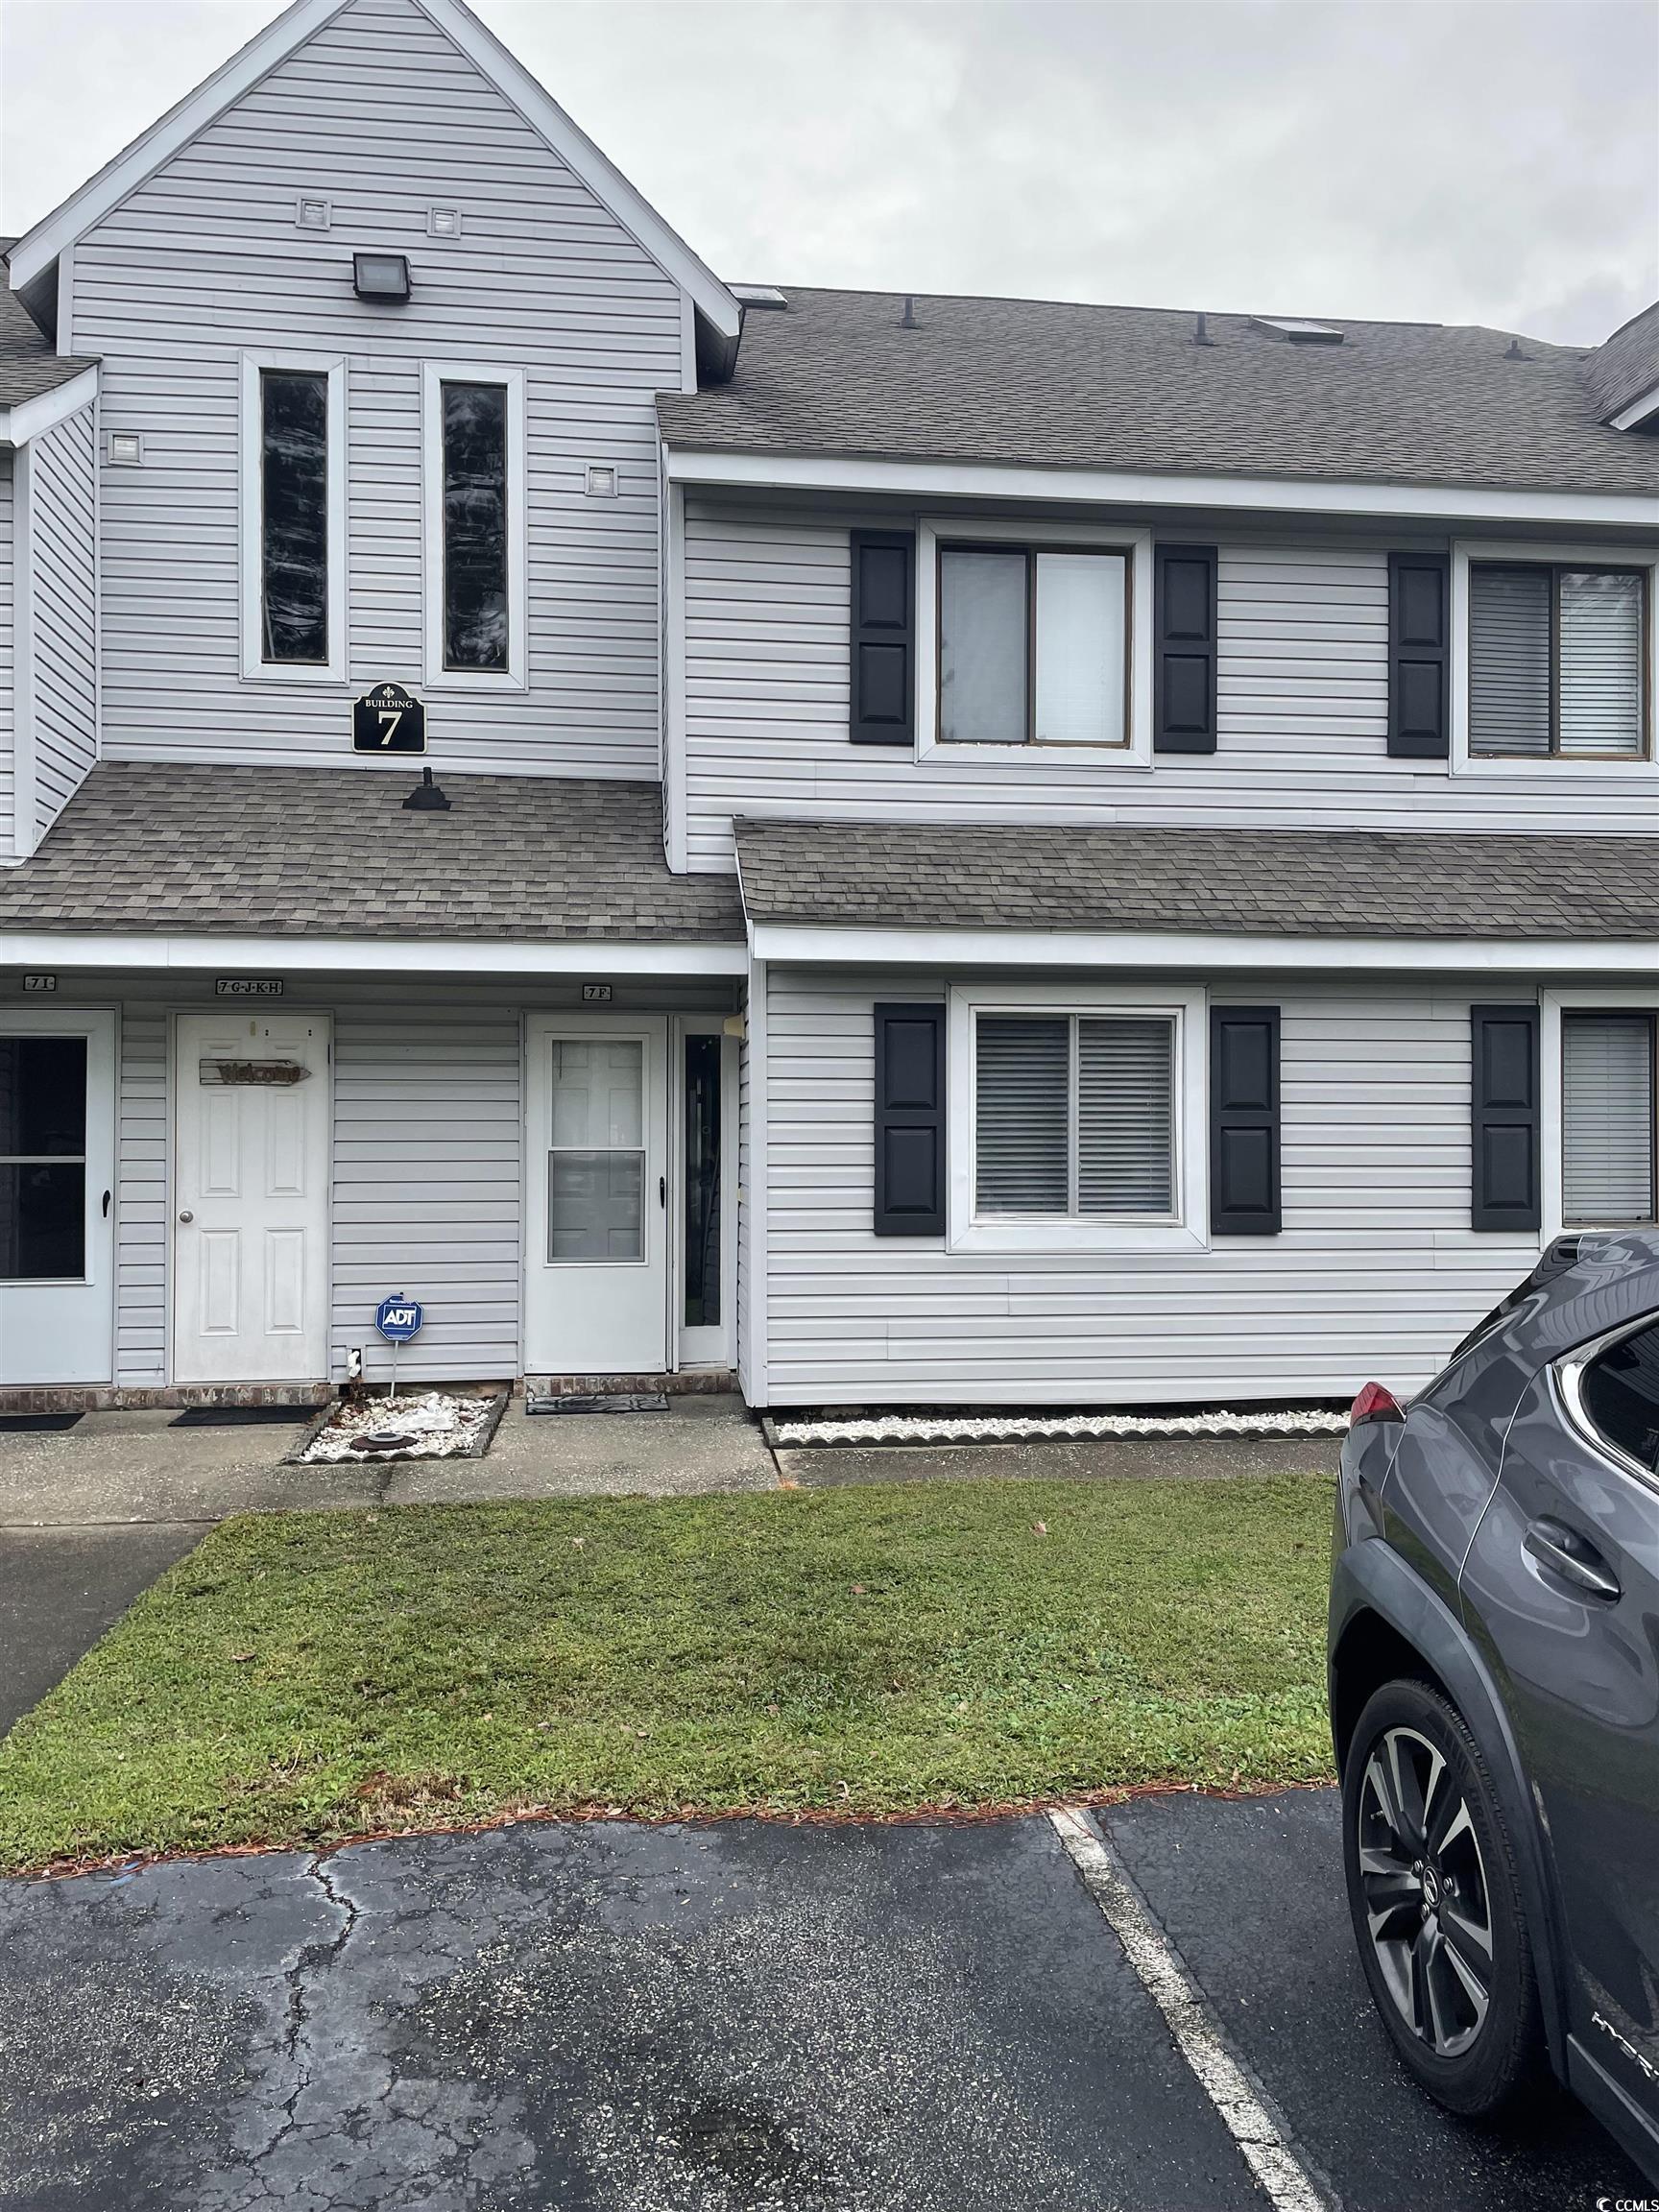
x=1271 y=883
x=1625 y=369
x=37 y=251
x=1048 y=384
x=27 y=364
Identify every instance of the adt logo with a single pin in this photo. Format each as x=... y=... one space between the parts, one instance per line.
x=398 y=1318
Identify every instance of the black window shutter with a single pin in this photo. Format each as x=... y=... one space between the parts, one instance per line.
x=883 y=671
x=910 y=1120
x=1505 y=1133
x=1184 y=655
x=1419 y=592
x=1244 y=1121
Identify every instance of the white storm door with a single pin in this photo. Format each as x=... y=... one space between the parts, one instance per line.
x=57 y=1196
x=597 y=1238
x=250 y=1198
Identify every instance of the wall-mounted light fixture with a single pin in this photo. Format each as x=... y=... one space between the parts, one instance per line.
x=380 y=276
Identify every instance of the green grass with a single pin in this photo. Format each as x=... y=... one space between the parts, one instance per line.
x=310 y=1675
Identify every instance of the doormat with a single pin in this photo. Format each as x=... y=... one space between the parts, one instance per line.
x=243 y=1416
x=597 y=1402
x=34 y=1423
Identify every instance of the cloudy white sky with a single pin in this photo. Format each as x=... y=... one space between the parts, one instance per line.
x=1452 y=160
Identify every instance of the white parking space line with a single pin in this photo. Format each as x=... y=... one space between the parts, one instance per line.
x=1246 y=2110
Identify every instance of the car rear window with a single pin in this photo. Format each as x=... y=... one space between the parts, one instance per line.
x=1620 y=1394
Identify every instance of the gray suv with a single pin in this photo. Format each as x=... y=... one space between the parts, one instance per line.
x=1494 y=1671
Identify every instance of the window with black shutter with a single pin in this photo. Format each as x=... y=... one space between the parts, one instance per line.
x=883 y=637
x=1418 y=592
x=909 y=1134
x=1504 y=1135
x=1183 y=623
x=1244 y=1193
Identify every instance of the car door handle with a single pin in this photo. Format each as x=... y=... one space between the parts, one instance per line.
x=1557 y=1547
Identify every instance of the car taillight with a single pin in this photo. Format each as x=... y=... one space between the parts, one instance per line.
x=1375 y=1404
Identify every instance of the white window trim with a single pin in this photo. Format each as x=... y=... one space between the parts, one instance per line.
x=1552 y=1005
x=1015 y=530
x=434 y=376
x=1464 y=551
x=255 y=669
x=1187 y=1229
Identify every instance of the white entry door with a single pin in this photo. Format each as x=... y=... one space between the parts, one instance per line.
x=597 y=1243
x=250 y=1198
x=57 y=1196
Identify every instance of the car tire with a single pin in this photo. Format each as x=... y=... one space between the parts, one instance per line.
x=1436 y=1904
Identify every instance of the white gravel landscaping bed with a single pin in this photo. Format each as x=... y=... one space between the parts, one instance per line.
x=423 y=1425
x=1057 y=1427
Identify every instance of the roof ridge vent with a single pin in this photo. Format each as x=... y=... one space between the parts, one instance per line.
x=1201 y=331
x=1516 y=351
x=907 y=321
x=1298 y=330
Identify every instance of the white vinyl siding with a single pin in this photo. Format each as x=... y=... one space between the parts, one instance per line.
x=55 y=626
x=1608 y=1117
x=382 y=116
x=1302 y=697
x=1377 y=1272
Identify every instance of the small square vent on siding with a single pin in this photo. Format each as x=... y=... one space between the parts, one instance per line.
x=601 y=480
x=312 y=214
x=443 y=222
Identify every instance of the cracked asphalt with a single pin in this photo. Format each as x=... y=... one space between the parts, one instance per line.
x=729 y=2018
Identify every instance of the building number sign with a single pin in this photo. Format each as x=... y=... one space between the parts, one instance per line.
x=388 y=720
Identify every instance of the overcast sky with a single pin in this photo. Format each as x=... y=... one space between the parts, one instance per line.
x=1485 y=161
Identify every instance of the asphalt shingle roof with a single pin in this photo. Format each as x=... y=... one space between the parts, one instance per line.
x=1054 y=385
x=331 y=851
x=1274 y=882
x=27 y=364
x=1628 y=365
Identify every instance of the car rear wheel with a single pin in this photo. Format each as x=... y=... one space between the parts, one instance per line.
x=1435 y=1902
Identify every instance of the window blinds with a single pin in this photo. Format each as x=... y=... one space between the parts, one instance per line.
x=1074 y=1115
x=1600 y=664
x=1608 y=1117
x=1509 y=661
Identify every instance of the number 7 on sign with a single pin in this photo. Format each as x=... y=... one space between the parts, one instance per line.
x=389 y=718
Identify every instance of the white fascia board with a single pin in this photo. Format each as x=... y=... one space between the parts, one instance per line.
x=787 y=945
x=29 y=417
x=59 y=229
x=1123 y=488
x=64 y=949
x=1637 y=412
x=40 y=247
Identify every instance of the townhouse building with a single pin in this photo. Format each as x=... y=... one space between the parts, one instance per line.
x=909 y=849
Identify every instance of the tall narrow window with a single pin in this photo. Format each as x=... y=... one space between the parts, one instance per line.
x=294 y=516
x=1609 y=1141
x=42 y=1158
x=476 y=617
x=703 y=1207
x=1557 y=661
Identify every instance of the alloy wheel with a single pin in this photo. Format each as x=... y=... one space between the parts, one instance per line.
x=1427 y=1907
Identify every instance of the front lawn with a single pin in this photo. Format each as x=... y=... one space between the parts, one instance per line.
x=309 y=1675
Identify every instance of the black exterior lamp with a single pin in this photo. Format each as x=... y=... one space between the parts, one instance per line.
x=382 y=277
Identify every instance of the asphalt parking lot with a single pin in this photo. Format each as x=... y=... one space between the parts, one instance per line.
x=729 y=2018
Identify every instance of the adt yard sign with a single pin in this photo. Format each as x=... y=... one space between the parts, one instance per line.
x=398 y=1318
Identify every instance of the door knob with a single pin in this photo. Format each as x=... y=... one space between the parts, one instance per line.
x=186 y=1215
